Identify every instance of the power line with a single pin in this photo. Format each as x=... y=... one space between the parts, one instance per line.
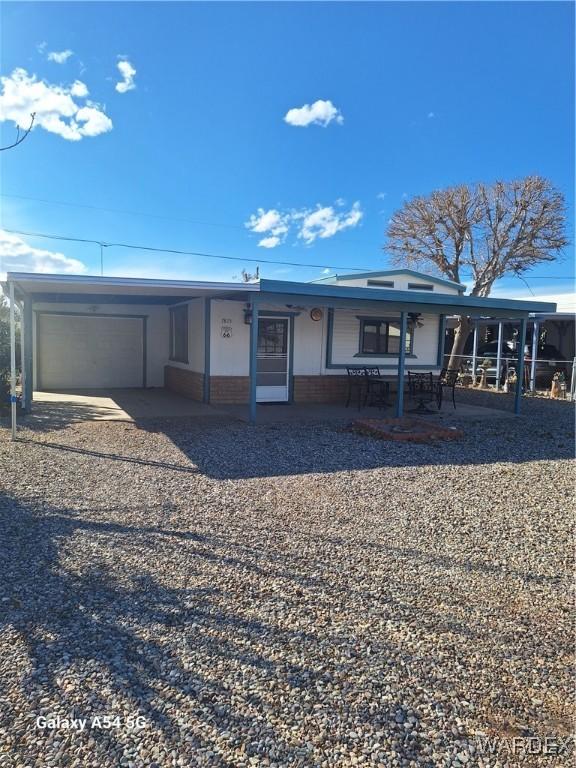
x=181 y=219
x=132 y=246
x=201 y=254
x=207 y=224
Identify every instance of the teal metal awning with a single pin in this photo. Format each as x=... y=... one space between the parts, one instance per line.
x=400 y=301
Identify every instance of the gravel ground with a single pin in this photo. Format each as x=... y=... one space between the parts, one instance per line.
x=286 y=596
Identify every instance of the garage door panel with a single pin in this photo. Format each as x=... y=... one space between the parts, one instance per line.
x=79 y=352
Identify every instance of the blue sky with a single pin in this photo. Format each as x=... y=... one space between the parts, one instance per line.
x=421 y=95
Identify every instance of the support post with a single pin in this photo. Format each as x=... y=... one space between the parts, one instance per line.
x=535 y=335
x=253 y=359
x=26 y=339
x=207 y=336
x=20 y=305
x=12 y=361
x=474 y=353
x=520 y=368
x=499 y=355
x=401 y=360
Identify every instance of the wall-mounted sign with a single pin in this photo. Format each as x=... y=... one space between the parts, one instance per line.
x=226 y=328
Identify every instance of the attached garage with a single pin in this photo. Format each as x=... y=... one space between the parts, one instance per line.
x=77 y=351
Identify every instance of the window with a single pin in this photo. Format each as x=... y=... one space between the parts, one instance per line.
x=420 y=287
x=272 y=337
x=380 y=283
x=382 y=337
x=179 y=333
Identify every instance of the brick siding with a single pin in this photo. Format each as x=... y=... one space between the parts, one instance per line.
x=229 y=389
x=236 y=389
x=184 y=382
x=320 y=389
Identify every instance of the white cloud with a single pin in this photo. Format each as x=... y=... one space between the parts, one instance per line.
x=327 y=271
x=79 y=89
x=54 y=106
x=308 y=224
x=320 y=113
x=272 y=223
x=59 y=57
x=17 y=256
x=269 y=242
x=381 y=195
x=431 y=114
x=128 y=72
x=326 y=222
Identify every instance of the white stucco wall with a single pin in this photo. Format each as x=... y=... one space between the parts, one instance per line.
x=157 y=331
x=229 y=354
x=230 y=351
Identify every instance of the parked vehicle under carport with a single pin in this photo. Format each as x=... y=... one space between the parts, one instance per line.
x=548 y=361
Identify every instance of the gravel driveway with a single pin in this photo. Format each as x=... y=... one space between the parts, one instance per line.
x=289 y=596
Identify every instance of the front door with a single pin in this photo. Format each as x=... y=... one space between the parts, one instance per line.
x=272 y=362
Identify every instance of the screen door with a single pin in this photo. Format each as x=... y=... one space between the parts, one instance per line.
x=272 y=364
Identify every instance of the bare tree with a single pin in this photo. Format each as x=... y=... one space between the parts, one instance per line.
x=488 y=230
x=19 y=139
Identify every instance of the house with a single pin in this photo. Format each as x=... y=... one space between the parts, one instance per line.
x=219 y=342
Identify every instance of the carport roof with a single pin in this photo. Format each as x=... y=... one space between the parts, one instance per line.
x=82 y=289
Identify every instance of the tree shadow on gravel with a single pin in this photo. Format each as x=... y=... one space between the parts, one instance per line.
x=100 y=639
x=104 y=636
x=113 y=641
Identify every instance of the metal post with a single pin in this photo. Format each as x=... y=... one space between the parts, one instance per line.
x=28 y=335
x=520 y=368
x=207 y=336
x=401 y=359
x=474 y=353
x=499 y=356
x=12 y=361
x=535 y=334
x=23 y=383
x=253 y=359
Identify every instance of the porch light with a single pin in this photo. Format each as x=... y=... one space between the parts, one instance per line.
x=416 y=319
x=248 y=314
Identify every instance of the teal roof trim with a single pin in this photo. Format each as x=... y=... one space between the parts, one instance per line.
x=459 y=303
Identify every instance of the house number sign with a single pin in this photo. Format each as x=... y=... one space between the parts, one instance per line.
x=226 y=328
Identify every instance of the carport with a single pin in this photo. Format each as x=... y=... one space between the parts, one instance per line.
x=88 y=336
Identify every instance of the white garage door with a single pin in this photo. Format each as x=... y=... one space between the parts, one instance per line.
x=80 y=352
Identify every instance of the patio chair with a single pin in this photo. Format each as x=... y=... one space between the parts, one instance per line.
x=421 y=387
x=356 y=385
x=447 y=380
x=377 y=390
